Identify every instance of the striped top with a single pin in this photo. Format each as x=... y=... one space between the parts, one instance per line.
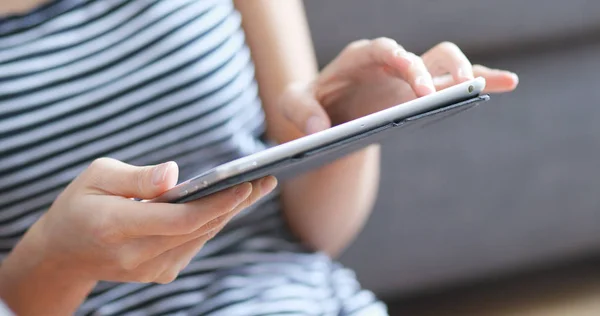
x=147 y=81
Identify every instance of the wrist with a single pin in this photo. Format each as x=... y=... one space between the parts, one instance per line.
x=32 y=282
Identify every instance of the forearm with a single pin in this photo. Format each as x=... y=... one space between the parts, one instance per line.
x=31 y=286
x=282 y=51
x=326 y=207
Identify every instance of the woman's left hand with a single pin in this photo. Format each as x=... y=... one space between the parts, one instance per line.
x=371 y=75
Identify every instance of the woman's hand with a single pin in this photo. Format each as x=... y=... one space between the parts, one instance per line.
x=371 y=75
x=96 y=231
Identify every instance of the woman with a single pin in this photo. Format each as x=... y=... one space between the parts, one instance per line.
x=149 y=81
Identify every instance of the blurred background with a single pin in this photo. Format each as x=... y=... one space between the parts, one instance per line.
x=495 y=211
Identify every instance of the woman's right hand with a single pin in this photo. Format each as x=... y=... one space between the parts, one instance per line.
x=95 y=230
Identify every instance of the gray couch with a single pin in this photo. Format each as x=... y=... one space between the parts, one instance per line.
x=510 y=185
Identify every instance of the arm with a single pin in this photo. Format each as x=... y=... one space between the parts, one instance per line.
x=31 y=286
x=327 y=207
x=93 y=231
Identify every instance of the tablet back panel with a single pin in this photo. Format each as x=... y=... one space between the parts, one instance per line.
x=287 y=168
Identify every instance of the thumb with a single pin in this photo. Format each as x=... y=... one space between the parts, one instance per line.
x=118 y=178
x=300 y=107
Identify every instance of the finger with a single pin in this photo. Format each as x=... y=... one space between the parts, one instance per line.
x=177 y=259
x=496 y=80
x=366 y=53
x=386 y=54
x=145 y=219
x=263 y=187
x=446 y=57
x=300 y=107
x=418 y=77
x=405 y=65
x=153 y=246
x=110 y=176
x=191 y=248
x=136 y=219
x=162 y=269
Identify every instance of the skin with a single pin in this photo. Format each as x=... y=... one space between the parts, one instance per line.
x=94 y=231
x=326 y=208
x=19 y=6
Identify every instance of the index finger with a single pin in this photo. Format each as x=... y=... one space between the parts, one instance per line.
x=446 y=57
x=402 y=64
x=135 y=218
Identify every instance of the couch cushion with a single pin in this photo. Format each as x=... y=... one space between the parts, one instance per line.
x=475 y=25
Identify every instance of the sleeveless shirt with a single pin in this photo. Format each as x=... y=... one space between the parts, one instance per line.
x=144 y=82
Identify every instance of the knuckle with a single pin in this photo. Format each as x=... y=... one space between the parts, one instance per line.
x=384 y=42
x=167 y=277
x=142 y=178
x=104 y=232
x=186 y=263
x=128 y=262
x=100 y=163
x=185 y=218
x=184 y=226
x=95 y=169
x=417 y=60
x=214 y=223
x=357 y=45
x=211 y=234
x=247 y=202
x=146 y=277
x=448 y=46
x=413 y=56
x=129 y=258
x=105 y=237
x=186 y=223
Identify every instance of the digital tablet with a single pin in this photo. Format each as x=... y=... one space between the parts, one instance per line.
x=308 y=152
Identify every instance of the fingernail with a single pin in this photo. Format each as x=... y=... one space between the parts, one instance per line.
x=420 y=81
x=464 y=75
x=160 y=173
x=315 y=124
x=515 y=78
x=242 y=192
